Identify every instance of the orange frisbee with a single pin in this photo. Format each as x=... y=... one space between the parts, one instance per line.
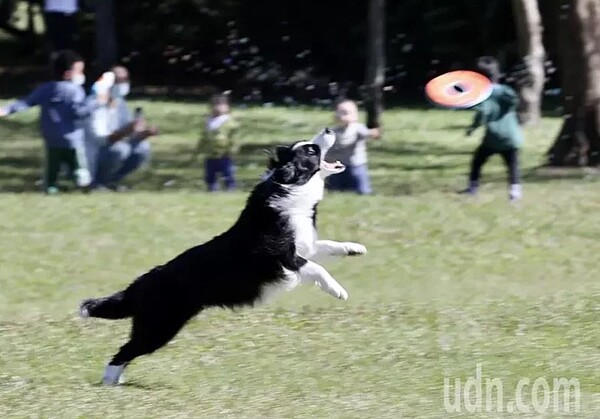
x=459 y=89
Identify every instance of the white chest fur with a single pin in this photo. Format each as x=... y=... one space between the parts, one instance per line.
x=298 y=207
x=305 y=233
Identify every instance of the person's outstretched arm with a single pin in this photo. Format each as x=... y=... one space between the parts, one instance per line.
x=33 y=99
x=369 y=133
x=478 y=120
x=375 y=133
x=82 y=107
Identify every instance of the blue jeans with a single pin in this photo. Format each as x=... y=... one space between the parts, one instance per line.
x=223 y=166
x=354 y=178
x=117 y=160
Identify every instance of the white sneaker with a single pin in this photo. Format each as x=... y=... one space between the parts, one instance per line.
x=516 y=192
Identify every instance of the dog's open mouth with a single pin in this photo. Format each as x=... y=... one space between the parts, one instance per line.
x=332 y=166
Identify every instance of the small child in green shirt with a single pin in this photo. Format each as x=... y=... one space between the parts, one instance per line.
x=218 y=143
x=503 y=133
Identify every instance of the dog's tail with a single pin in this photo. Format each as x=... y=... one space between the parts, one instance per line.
x=116 y=306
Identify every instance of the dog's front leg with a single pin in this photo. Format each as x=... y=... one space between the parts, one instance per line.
x=312 y=272
x=326 y=248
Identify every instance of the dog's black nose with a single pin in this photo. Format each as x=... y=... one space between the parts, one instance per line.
x=328 y=131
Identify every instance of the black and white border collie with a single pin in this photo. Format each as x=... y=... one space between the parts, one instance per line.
x=272 y=246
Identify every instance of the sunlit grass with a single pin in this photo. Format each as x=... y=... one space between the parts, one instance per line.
x=448 y=282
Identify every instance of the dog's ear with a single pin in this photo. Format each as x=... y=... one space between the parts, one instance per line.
x=279 y=157
x=284 y=154
x=271 y=160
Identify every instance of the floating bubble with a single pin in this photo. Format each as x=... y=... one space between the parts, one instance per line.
x=407 y=47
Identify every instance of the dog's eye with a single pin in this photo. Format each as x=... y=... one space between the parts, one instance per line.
x=312 y=151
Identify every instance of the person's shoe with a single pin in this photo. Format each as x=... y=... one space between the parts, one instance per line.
x=114 y=187
x=515 y=193
x=121 y=188
x=471 y=189
x=52 y=190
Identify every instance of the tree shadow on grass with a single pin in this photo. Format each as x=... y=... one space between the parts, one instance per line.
x=418 y=149
x=175 y=169
x=21 y=158
x=21 y=163
x=545 y=174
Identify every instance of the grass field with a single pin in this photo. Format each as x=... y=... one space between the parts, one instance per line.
x=449 y=283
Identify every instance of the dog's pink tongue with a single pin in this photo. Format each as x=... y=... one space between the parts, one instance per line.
x=332 y=166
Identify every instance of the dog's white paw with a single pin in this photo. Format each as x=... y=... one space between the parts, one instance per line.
x=354 y=249
x=342 y=294
x=113 y=375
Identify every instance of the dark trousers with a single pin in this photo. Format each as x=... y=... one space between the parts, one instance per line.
x=60 y=28
x=73 y=159
x=354 y=178
x=510 y=157
x=224 y=167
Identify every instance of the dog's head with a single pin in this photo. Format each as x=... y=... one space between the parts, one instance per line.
x=298 y=163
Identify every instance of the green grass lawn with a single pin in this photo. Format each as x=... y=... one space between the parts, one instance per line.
x=449 y=283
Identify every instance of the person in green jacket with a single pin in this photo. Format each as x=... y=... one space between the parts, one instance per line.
x=503 y=133
x=218 y=143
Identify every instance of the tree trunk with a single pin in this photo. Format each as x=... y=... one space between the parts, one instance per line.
x=375 y=76
x=106 y=37
x=529 y=33
x=578 y=143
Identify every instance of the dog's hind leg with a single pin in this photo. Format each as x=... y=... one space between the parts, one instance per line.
x=148 y=334
x=327 y=248
x=314 y=273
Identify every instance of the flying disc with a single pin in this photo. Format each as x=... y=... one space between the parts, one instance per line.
x=459 y=89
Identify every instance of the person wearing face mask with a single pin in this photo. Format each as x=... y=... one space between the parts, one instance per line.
x=64 y=109
x=116 y=140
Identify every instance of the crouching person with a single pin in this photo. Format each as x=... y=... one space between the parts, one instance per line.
x=117 y=140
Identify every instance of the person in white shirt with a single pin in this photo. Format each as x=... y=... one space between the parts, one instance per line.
x=61 y=25
x=350 y=148
x=116 y=141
